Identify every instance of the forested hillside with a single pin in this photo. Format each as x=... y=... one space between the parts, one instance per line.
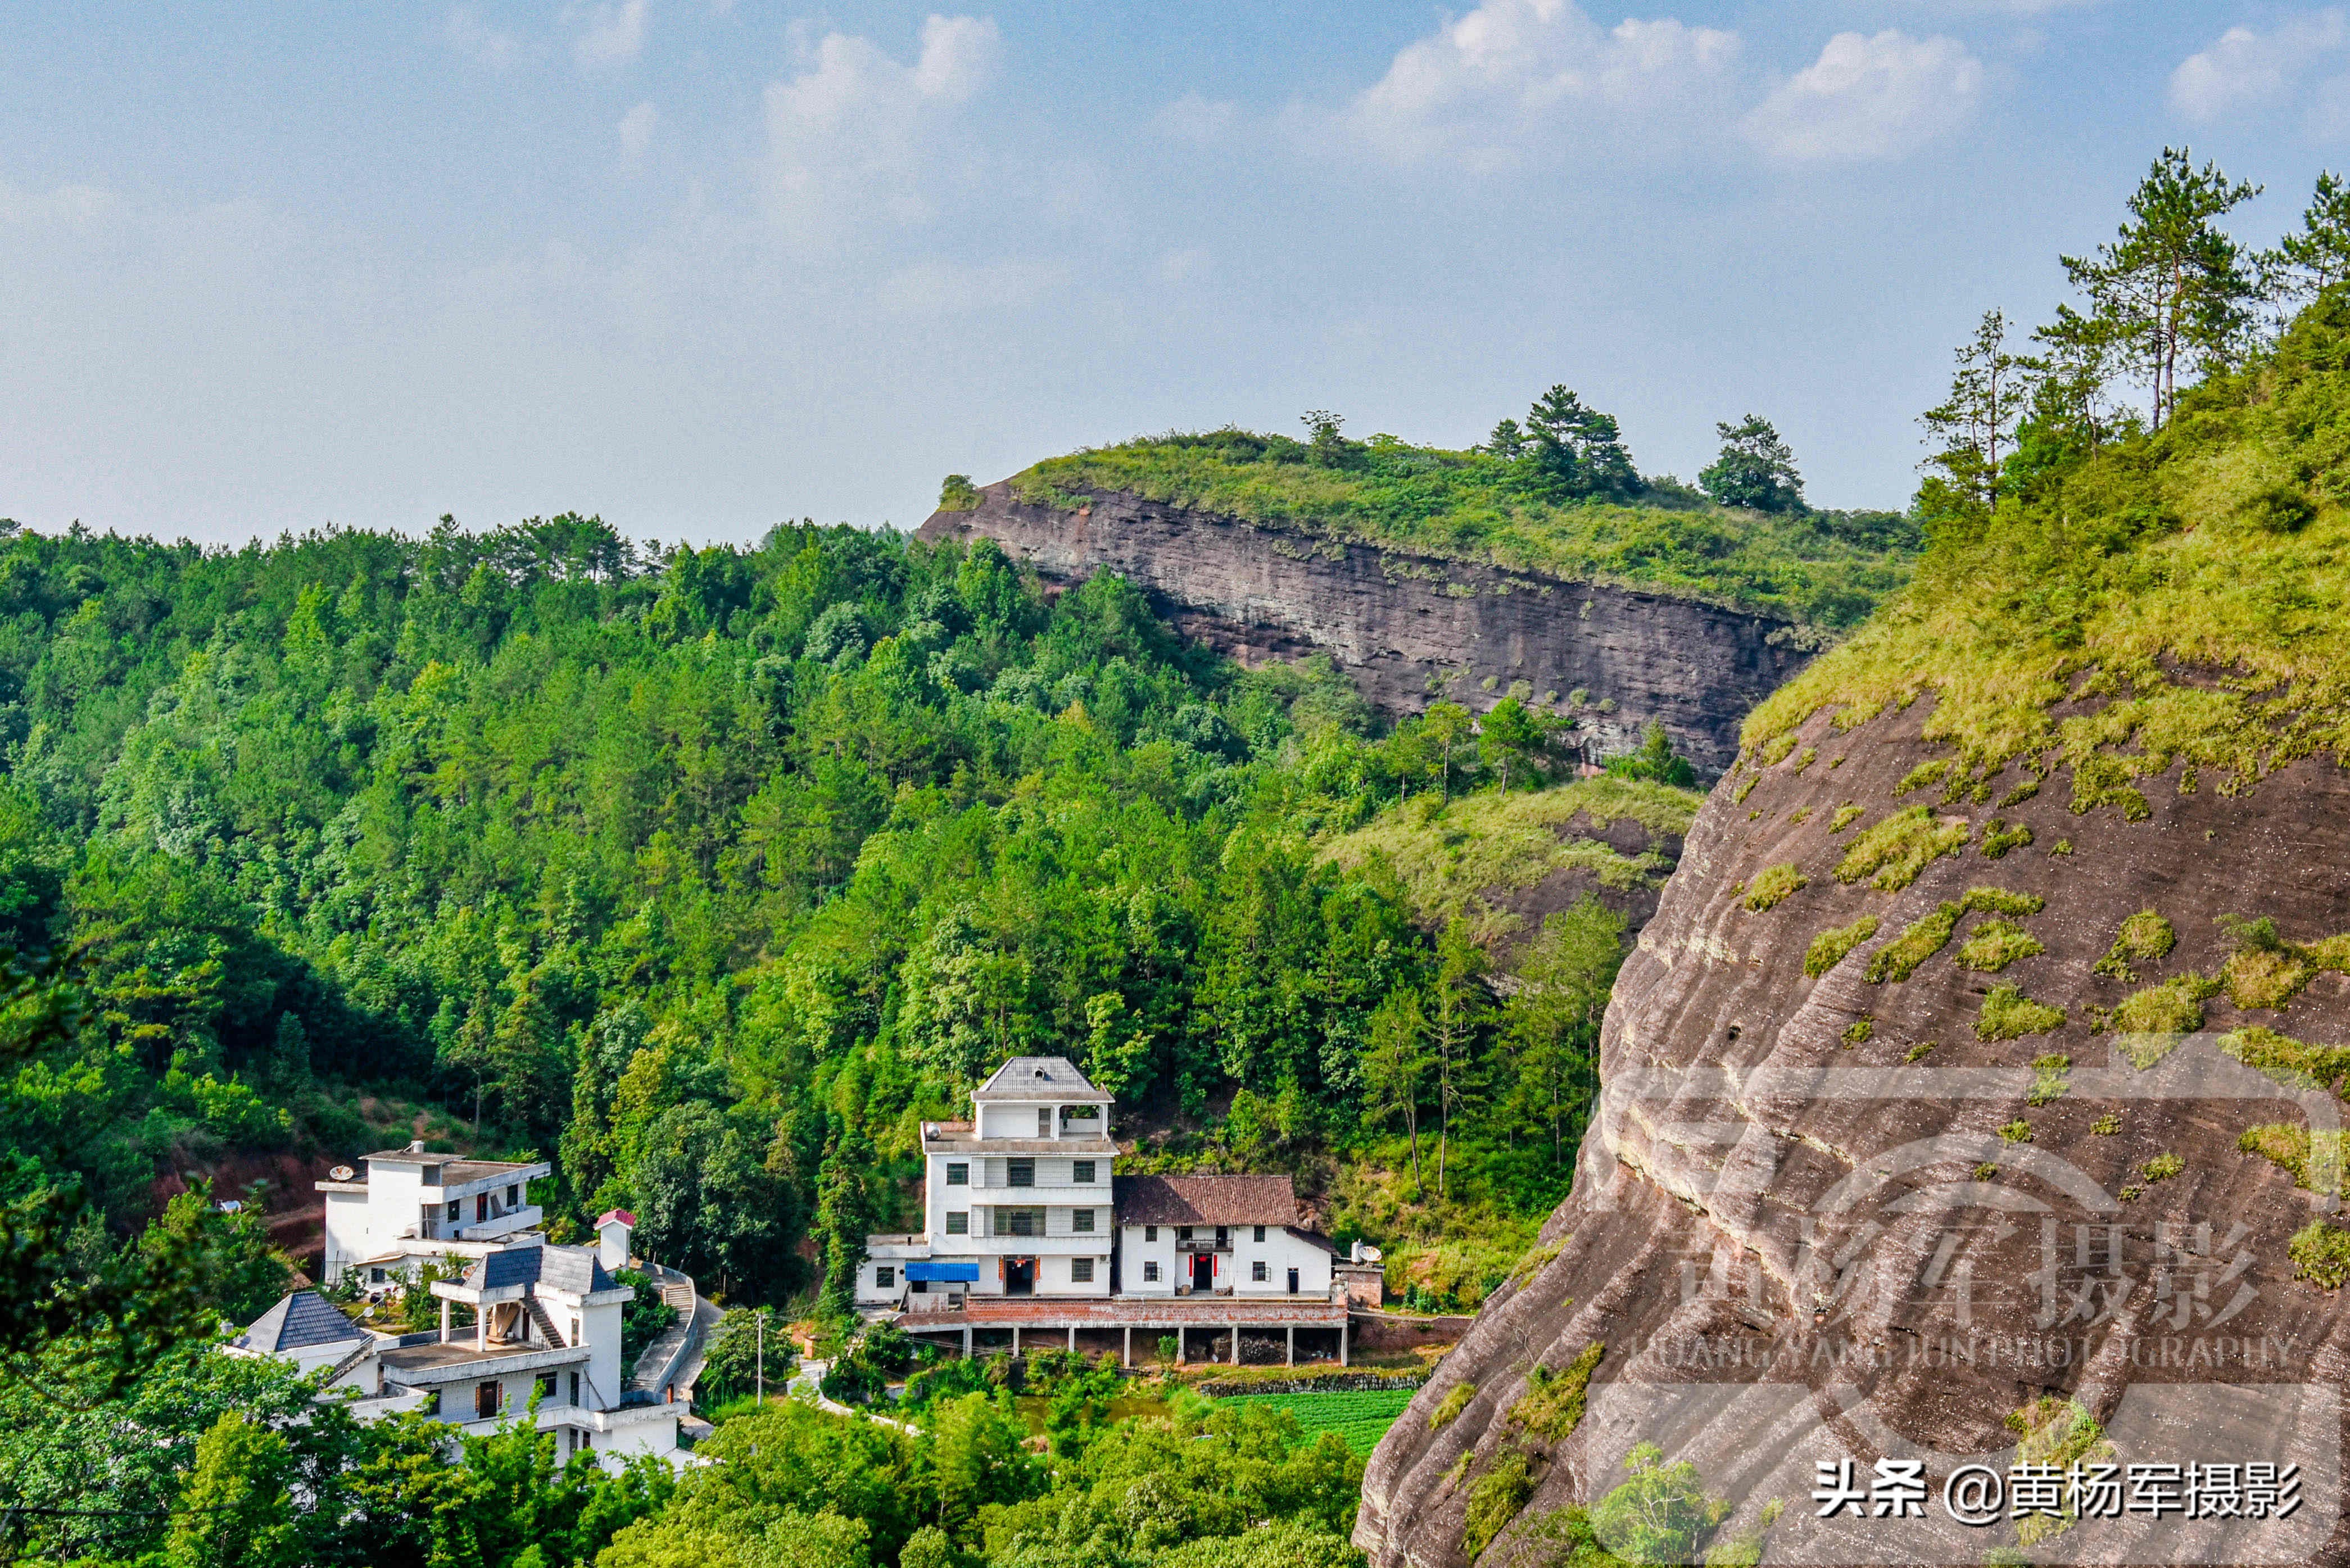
x=709 y=873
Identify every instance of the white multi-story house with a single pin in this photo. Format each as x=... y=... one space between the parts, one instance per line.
x=1017 y=1200
x=407 y=1207
x=545 y=1324
x=1024 y=1227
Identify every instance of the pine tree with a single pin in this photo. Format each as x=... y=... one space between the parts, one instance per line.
x=1756 y=469
x=843 y=1217
x=2306 y=262
x=1976 y=421
x=2172 y=285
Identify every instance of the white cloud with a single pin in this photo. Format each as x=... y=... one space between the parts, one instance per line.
x=478 y=42
x=1868 y=99
x=1201 y=121
x=859 y=135
x=1494 y=85
x=637 y=133
x=615 y=34
x=1183 y=265
x=956 y=288
x=2244 y=69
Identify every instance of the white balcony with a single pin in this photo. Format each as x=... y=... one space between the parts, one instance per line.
x=525 y=1218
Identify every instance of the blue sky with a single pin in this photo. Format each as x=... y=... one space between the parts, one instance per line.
x=698 y=266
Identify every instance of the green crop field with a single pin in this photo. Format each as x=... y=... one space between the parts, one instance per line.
x=1361 y=1416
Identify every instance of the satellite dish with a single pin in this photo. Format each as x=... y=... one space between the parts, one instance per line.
x=342 y=1173
x=1373 y=1255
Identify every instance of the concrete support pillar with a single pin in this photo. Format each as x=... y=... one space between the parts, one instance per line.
x=481 y=1325
x=1289 y=1355
x=1180 y=1334
x=1126 y=1357
x=1073 y=1338
x=1342 y=1344
x=1236 y=1345
x=966 y=1342
x=444 y=1320
x=1015 y=1342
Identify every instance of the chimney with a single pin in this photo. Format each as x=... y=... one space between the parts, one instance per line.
x=416 y=1146
x=612 y=1229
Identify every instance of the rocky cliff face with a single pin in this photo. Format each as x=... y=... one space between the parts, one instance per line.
x=1916 y=1128
x=1410 y=629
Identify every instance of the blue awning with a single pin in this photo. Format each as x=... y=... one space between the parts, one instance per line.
x=935 y=1271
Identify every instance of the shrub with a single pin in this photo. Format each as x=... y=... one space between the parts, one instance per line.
x=1845 y=815
x=2265 y=977
x=2008 y=1014
x=1921 y=776
x=1891 y=854
x=2048 y=1081
x=2292 y=1062
x=1496 y=1500
x=1829 y=947
x=1553 y=1403
x=2059 y=1433
x=1897 y=960
x=1773 y=886
x=2017 y=1131
x=2162 y=1168
x=957 y=494
x=1987 y=1170
x=1999 y=837
x=1447 y=1410
x=2174 y=1007
x=2107 y=1126
x=1859 y=1030
x=1994 y=944
x=2144 y=938
x=1917 y=1051
x=2321 y=1255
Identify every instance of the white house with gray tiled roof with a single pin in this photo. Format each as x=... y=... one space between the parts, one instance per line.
x=546 y=1326
x=1019 y=1201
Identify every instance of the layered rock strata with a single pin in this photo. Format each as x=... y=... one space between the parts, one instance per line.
x=1410 y=629
x=1904 y=1146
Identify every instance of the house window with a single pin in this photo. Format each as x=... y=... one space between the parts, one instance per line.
x=959 y=1224
x=431 y=1406
x=514 y=1197
x=1019 y=1222
x=958 y=1175
x=1081 y=1220
x=1260 y=1234
x=1020 y=1172
x=1151 y=1232
x=456 y=1210
x=886 y=1278
x=1083 y=1175
x=1182 y=1232
x=485 y=1400
x=1223 y=1235
x=375 y=1276
x=1257 y=1271
x=481 y=1207
x=1044 y=1122
x=1150 y=1274
x=545 y=1390
x=1081 y=1271
x=575 y=1388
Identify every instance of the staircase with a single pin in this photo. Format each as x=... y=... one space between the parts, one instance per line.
x=342 y=1368
x=548 y=1331
x=657 y=1369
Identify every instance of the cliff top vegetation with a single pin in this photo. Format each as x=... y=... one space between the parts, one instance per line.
x=2115 y=593
x=1571 y=507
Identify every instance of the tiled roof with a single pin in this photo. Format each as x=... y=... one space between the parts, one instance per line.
x=572 y=1268
x=1206 y=1201
x=299 y=1320
x=1033 y=1077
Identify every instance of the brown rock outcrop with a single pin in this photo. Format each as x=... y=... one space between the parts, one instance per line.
x=1822 y=1217
x=1408 y=628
